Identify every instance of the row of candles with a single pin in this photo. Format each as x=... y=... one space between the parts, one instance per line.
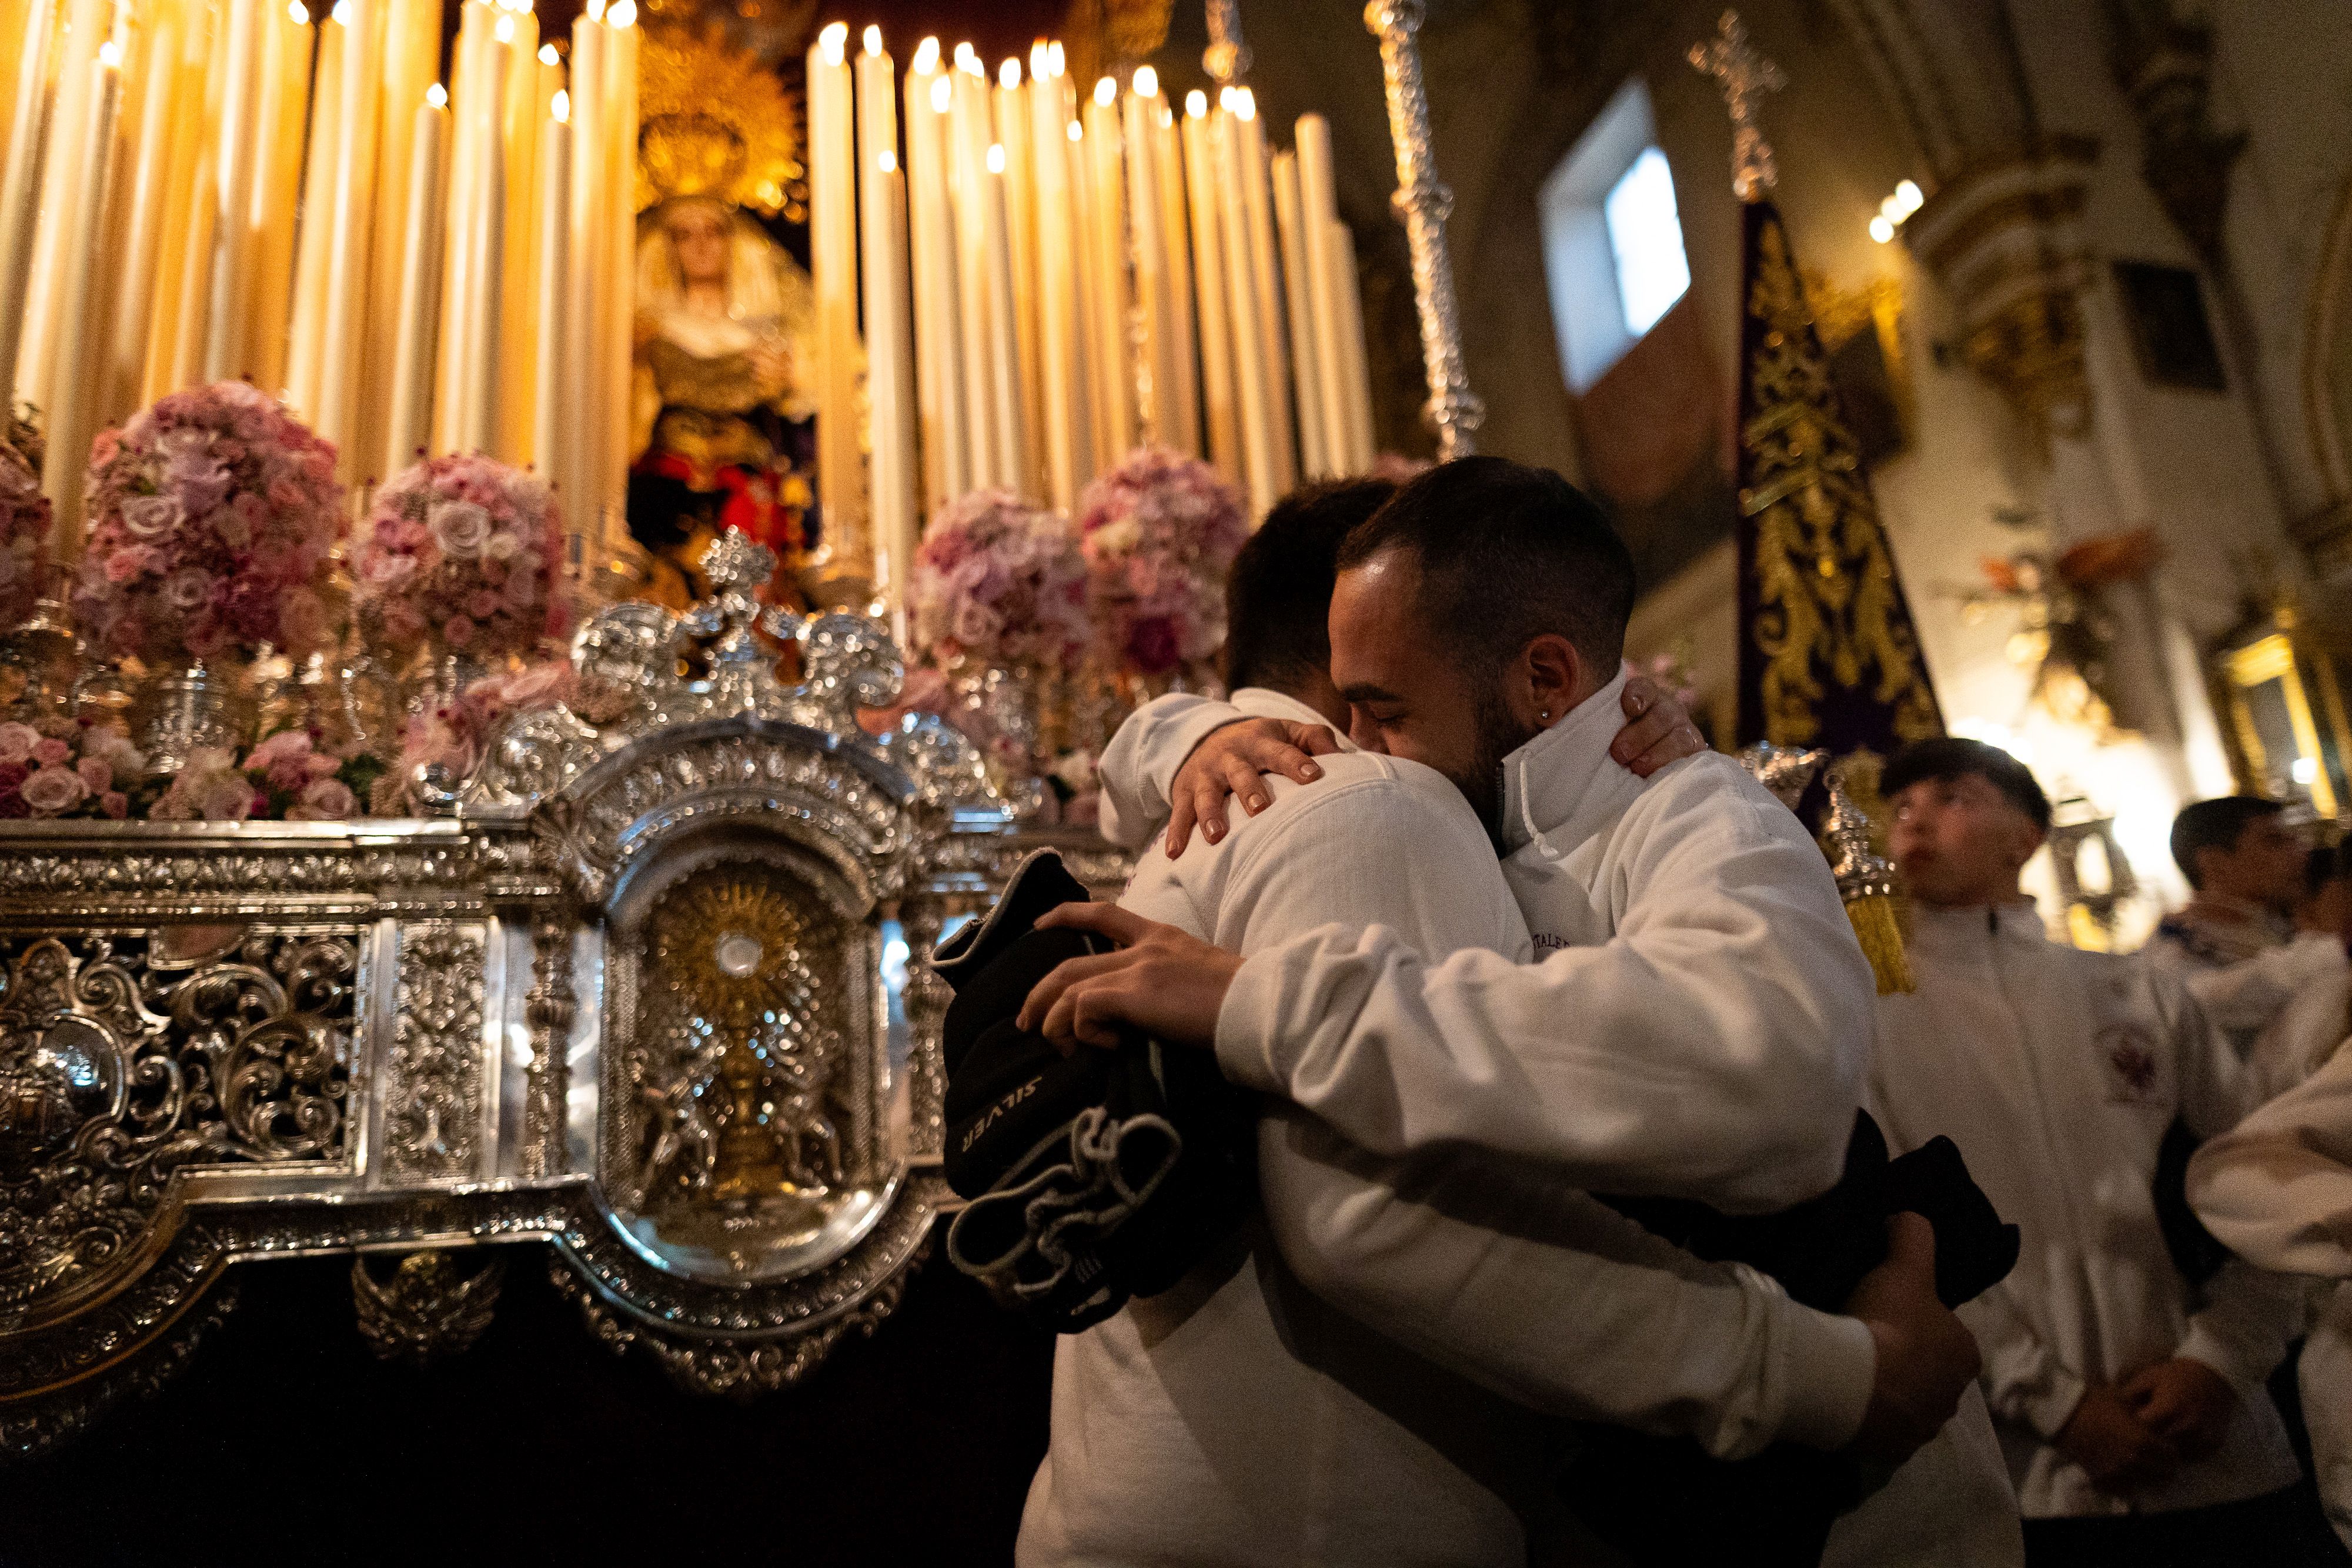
x=1045 y=283
x=198 y=190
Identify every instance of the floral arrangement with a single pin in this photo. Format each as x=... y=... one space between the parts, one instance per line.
x=452 y=735
x=212 y=512
x=1000 y=581
x=24 y=537
x=287 y=776
x=69 y=770
x=1159 y=533
x=463 y=550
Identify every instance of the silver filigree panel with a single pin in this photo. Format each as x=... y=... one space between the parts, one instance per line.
x=433 y=1107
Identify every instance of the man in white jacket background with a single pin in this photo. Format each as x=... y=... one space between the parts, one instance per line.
x=1239 y=1418
x=2130 y=1401
x=1699 y=1023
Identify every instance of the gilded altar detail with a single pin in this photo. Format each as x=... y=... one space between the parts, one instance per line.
x=432 y=1105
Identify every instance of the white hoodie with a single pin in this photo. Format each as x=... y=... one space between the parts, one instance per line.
x=2057 y=1072
x=1239 y=1420
x=1696 y=1024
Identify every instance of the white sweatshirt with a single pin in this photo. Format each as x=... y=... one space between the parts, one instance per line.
x=2057 y=1072
x=2248 y=978
x=1696 y=1024
x=1240 y=1420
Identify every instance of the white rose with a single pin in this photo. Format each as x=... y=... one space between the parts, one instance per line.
x=50 y=790
x=150 y=516
x=460 y=528
x=501 y=546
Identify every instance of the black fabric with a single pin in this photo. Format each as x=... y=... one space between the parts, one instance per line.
x=2196 y=1251
x=2283 y=1529
x=1090 y=1177
x=1666 y=1500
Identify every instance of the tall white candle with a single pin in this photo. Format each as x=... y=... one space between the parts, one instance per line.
x=584 y=317
x=890 y=372
x=63 y=188
x=1251 y=380
x=1257 y=212
x=1314 y=457
x=833 y=253
x=20 y=182
x=939 y=364
x=1106 y=251
x=486 y=269
x=75 y=400
x=1201 y=184
x=968 y=133
x=242 y=105
x=552 y=419
x=307 y=332
x=1012 y=130
x=1184 y=391
x=347 y=242
x=1357 y=386
x=1061 y=402
x=620 y=237
x=127 y=359
x=1012 y=467
x=1154 y=306
x=409 y=424
x=1319 y=217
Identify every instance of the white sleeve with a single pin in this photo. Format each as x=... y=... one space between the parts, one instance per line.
x=1713 y=1049
x=1552 y=1300
x=1518 y=1284
x=2215 y=1089
x=2242 y=998
x=2023 y=1378
x=1139 y=765
x=2278 y=1189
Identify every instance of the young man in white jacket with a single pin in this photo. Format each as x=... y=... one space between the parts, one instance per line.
x=1565 y=1024
x=2130 y=1401
x=1239 y=1418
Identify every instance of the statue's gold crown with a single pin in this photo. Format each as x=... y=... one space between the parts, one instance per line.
x=712 y=122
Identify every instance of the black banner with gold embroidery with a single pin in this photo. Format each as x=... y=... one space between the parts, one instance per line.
x=1828 y=654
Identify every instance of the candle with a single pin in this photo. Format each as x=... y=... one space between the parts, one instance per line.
x=890 y=376
x=967 y=137
x=1062 y=406
x=939 y=364
x=62 y=191
x=1201 y=184
x=20 y=182
x=1012 y=469
x=832 y=254
x=1315 y=458
x=552 y=424
x=1114 y=370
x=1357 y=386
x=70 y=423
x=469 y=126
x=583 y=471
x=347 y=249
x=242 y=105
x=1013 y=132
x=192 y=288
x=1319 y=217
x=1257 y=212
x=618 y=368
x=409 y=417
x=523 y=116
x=1250 y=378
x=1184 y=391
x=412 y=67
x=305 y=333
x=135 y=305
x=485 y=272
x=1153 y=305
x=270 y=210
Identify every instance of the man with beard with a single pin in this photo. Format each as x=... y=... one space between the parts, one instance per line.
x=1238 y=1418
x=1699 y=1015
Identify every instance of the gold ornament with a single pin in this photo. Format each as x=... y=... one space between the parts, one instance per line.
x=713 y=123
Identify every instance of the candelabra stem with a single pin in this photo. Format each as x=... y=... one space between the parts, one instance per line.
x=1423 y=203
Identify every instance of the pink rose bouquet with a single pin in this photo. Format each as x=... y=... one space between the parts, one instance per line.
x=23 y=538
x=1159 y=533
x=212 y=513
x=1000 y=581
x=465 y=551
x=452 y=736
x=69 y=770
x=288 y=777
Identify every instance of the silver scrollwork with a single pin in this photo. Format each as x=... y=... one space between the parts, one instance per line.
x=433 y=1104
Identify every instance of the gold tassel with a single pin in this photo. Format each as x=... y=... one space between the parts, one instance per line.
x=1880 y=934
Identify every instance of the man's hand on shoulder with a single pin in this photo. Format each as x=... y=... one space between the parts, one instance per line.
x=1233 y=762
x=1161 y=981
x=1926 y=1357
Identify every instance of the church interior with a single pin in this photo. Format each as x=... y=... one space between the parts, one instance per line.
x=551 y=552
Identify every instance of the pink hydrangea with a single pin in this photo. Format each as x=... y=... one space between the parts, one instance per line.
x=1000 y=581
x=212 y=512
x=463 y=552
x=1159 y=533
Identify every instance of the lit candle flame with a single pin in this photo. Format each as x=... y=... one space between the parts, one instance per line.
x=1246 y=103
x=1041 y=62
x=927 y=56
x=341 y=14
x=996 y=157
x=832 y=43
x=1105 y=91
x=504 y=31
x=623 y=15
x=596 y=10
x=1146 y=82
x=559 y=106
x=109 y=54
x=886 y=160
x=967 y=58
x=1196 y=103
x=1077 y=131
x=295 y=13
x=942 y=94
x=1008 y=75
x=1053 y=59
x=547 y=55
x=437 y=96
x=873 y=39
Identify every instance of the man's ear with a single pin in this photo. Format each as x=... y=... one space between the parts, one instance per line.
x=2030 y=840
x=1551 y=679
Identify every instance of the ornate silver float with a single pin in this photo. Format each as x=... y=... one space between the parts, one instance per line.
x=639 y=990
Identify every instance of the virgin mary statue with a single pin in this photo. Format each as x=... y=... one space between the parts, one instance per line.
x=722 y=408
